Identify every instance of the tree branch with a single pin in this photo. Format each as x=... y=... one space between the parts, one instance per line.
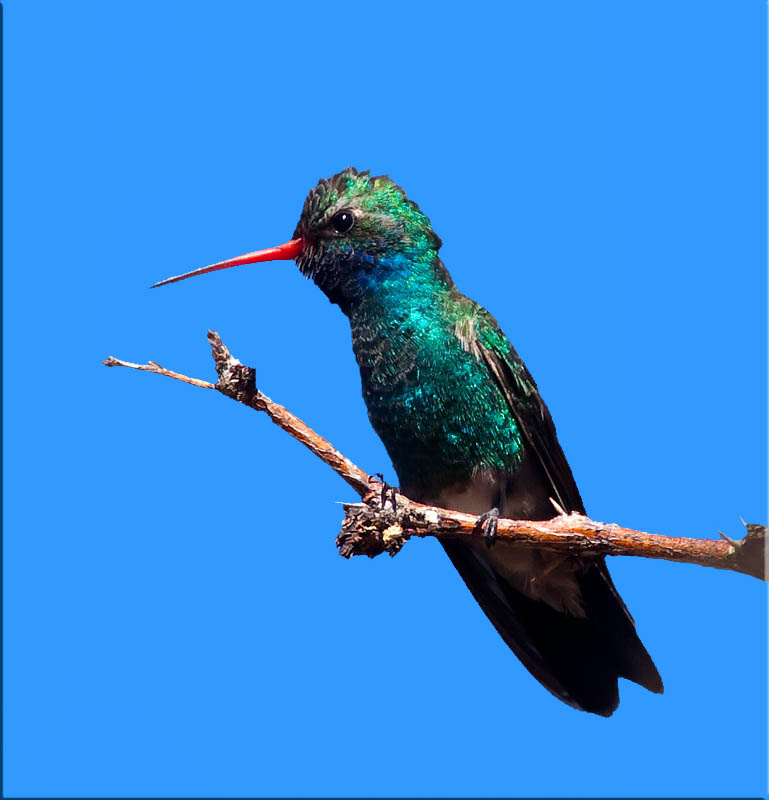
x=238 y=382
x=370 y=528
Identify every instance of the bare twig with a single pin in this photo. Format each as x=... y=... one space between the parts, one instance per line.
x=152 y=366
x=237 y=381
x=369 y=529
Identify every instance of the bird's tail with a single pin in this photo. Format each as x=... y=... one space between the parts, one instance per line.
x=578 y=659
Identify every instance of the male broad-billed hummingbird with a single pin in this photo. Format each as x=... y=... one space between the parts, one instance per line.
x=466 y=429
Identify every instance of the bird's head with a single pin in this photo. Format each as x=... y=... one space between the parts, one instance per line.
x=354 y=230
x=354 y=215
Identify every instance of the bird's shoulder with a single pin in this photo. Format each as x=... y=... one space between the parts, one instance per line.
x=480 y=334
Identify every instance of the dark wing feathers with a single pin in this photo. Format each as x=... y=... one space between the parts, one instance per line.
x=525 y=625
x=577 y=659
x=523 y=398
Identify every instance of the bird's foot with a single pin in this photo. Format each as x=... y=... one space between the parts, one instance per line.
x=388 y=492
x=486 y=526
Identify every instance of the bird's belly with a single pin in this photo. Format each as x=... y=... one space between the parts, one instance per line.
x=516 y=565
x=539 y=574
x=474 y=497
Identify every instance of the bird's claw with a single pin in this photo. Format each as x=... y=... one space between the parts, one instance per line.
x=388 y=492
x=486 y=526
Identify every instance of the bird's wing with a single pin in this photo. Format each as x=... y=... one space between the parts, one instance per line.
x=530 y=412
x=577 y=658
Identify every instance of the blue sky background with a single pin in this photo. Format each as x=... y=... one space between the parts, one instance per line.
x=597 y=172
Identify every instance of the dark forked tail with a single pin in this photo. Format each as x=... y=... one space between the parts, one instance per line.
x=578 y=659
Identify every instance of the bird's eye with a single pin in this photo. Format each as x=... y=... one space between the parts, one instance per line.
x=342 y=221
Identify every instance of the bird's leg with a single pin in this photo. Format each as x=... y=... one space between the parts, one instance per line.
x=486 y=525
x=383 y=498
x=388 y=492
x=394 y=497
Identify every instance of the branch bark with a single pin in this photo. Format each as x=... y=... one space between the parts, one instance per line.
x=370 y=527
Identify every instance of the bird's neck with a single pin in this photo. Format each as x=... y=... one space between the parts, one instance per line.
x=400 y=288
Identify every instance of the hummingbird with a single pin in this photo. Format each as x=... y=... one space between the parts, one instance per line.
x=466 y=428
